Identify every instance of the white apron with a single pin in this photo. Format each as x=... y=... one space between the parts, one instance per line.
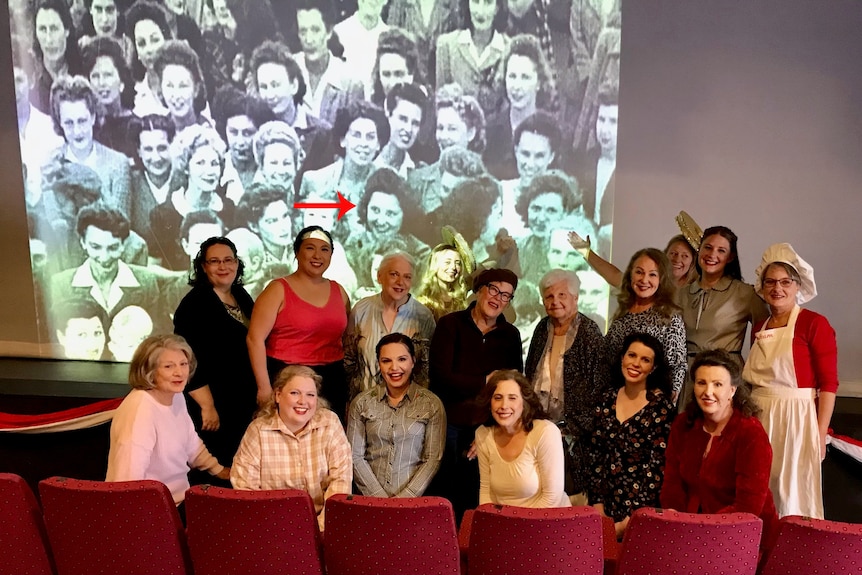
x=789 y=417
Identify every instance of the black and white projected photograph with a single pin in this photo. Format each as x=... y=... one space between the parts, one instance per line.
x=460 y=131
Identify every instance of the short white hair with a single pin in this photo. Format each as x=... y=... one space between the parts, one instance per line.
x=392 y=256
x=556 y=276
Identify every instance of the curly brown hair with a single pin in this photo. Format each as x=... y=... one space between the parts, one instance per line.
x=533 y=409
x=663 y=299
x=742 y=400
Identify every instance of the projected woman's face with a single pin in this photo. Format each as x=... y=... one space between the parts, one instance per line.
x=543 y=211
x=178 y=90
x=449 y=266
x=51 y=34
x=204 y=169
x=370 y=9
x=276 y=87
x=223 y=16
x=393 y=71
x=274 y=225
x=148 y=40
x=522 y=82
x=482 y=14
x=77 y=122
x=105 y=79
x=104 y=16
x=278 y=164
x=452 y=130
x=606 y=128
x=155 y=153
x=239 y=132
x=360 y=143
x=385 y=215
x=312 y=33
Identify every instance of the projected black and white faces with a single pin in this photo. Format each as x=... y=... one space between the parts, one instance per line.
x=277 y=88
x=393 y=71
x=223 y=16
x=103 y=250
x=533 y=155
x=543 y=212
x=205 y=166
x=83 y=338
x=312 y=33
x=278 y=164
x=606 y=129
x=482 y=13
x=369 y=10
x=77 y=120
x=148 y=39
x=361 y=142
x=22 y=91
x=51 y=34
x=104 y=16
x=385 y=216
x=155 y=153
x=274 y=226
x=404 y=121
x=178 y=90
x=452 y=129
x=522 y=82
x=239 y=132
x=106 y=83
x=561 y=254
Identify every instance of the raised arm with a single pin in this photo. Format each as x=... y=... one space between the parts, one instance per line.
x=609 y=272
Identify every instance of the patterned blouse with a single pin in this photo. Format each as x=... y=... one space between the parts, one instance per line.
x=628 y=457
x=671 y=334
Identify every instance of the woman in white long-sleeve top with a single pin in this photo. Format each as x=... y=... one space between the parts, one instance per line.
x=520 y=451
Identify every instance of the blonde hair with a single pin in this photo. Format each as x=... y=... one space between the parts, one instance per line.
x=145 y=361
x=270 y=408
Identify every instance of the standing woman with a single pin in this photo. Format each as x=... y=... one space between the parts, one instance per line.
x=719 y=306
x=645 y=304
x=55 y=48
x=213 y=317
x=397 y=429
x=793 y=367
x=300 y=320
x=520 y=450
x=473 y=58
x=630 y=431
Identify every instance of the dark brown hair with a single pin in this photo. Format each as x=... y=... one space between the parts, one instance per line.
x=533 y=409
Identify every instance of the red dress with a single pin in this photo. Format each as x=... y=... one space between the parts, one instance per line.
x=733 y=477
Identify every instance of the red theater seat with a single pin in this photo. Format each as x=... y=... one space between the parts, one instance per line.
x=399 y=536
x=507 y=540
x=255 y=532
x=128 y=528
x=660 y=541
x=24 y=548
x=808 y=546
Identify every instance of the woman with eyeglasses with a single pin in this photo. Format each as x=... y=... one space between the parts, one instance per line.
x=793 y=368
x=213 y=318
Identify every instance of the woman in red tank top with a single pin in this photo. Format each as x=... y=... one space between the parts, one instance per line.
x=300 y=320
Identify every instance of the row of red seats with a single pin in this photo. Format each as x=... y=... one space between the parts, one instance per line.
x=95 y=528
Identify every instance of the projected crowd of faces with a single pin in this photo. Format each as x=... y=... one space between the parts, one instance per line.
x=147 y=127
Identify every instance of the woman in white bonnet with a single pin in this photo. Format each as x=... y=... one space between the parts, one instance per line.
x=793 y=367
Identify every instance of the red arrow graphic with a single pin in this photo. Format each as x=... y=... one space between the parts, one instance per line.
x=343 y=204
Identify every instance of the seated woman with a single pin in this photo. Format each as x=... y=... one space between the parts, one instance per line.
x=300 y=320
x=152 y=435
x=645 y=304
x=397 y=429
x=294 y=443
x=718 y=455
x=520 y=451
x=630 y=429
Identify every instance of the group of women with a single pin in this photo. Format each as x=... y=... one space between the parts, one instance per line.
x=582 y=427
